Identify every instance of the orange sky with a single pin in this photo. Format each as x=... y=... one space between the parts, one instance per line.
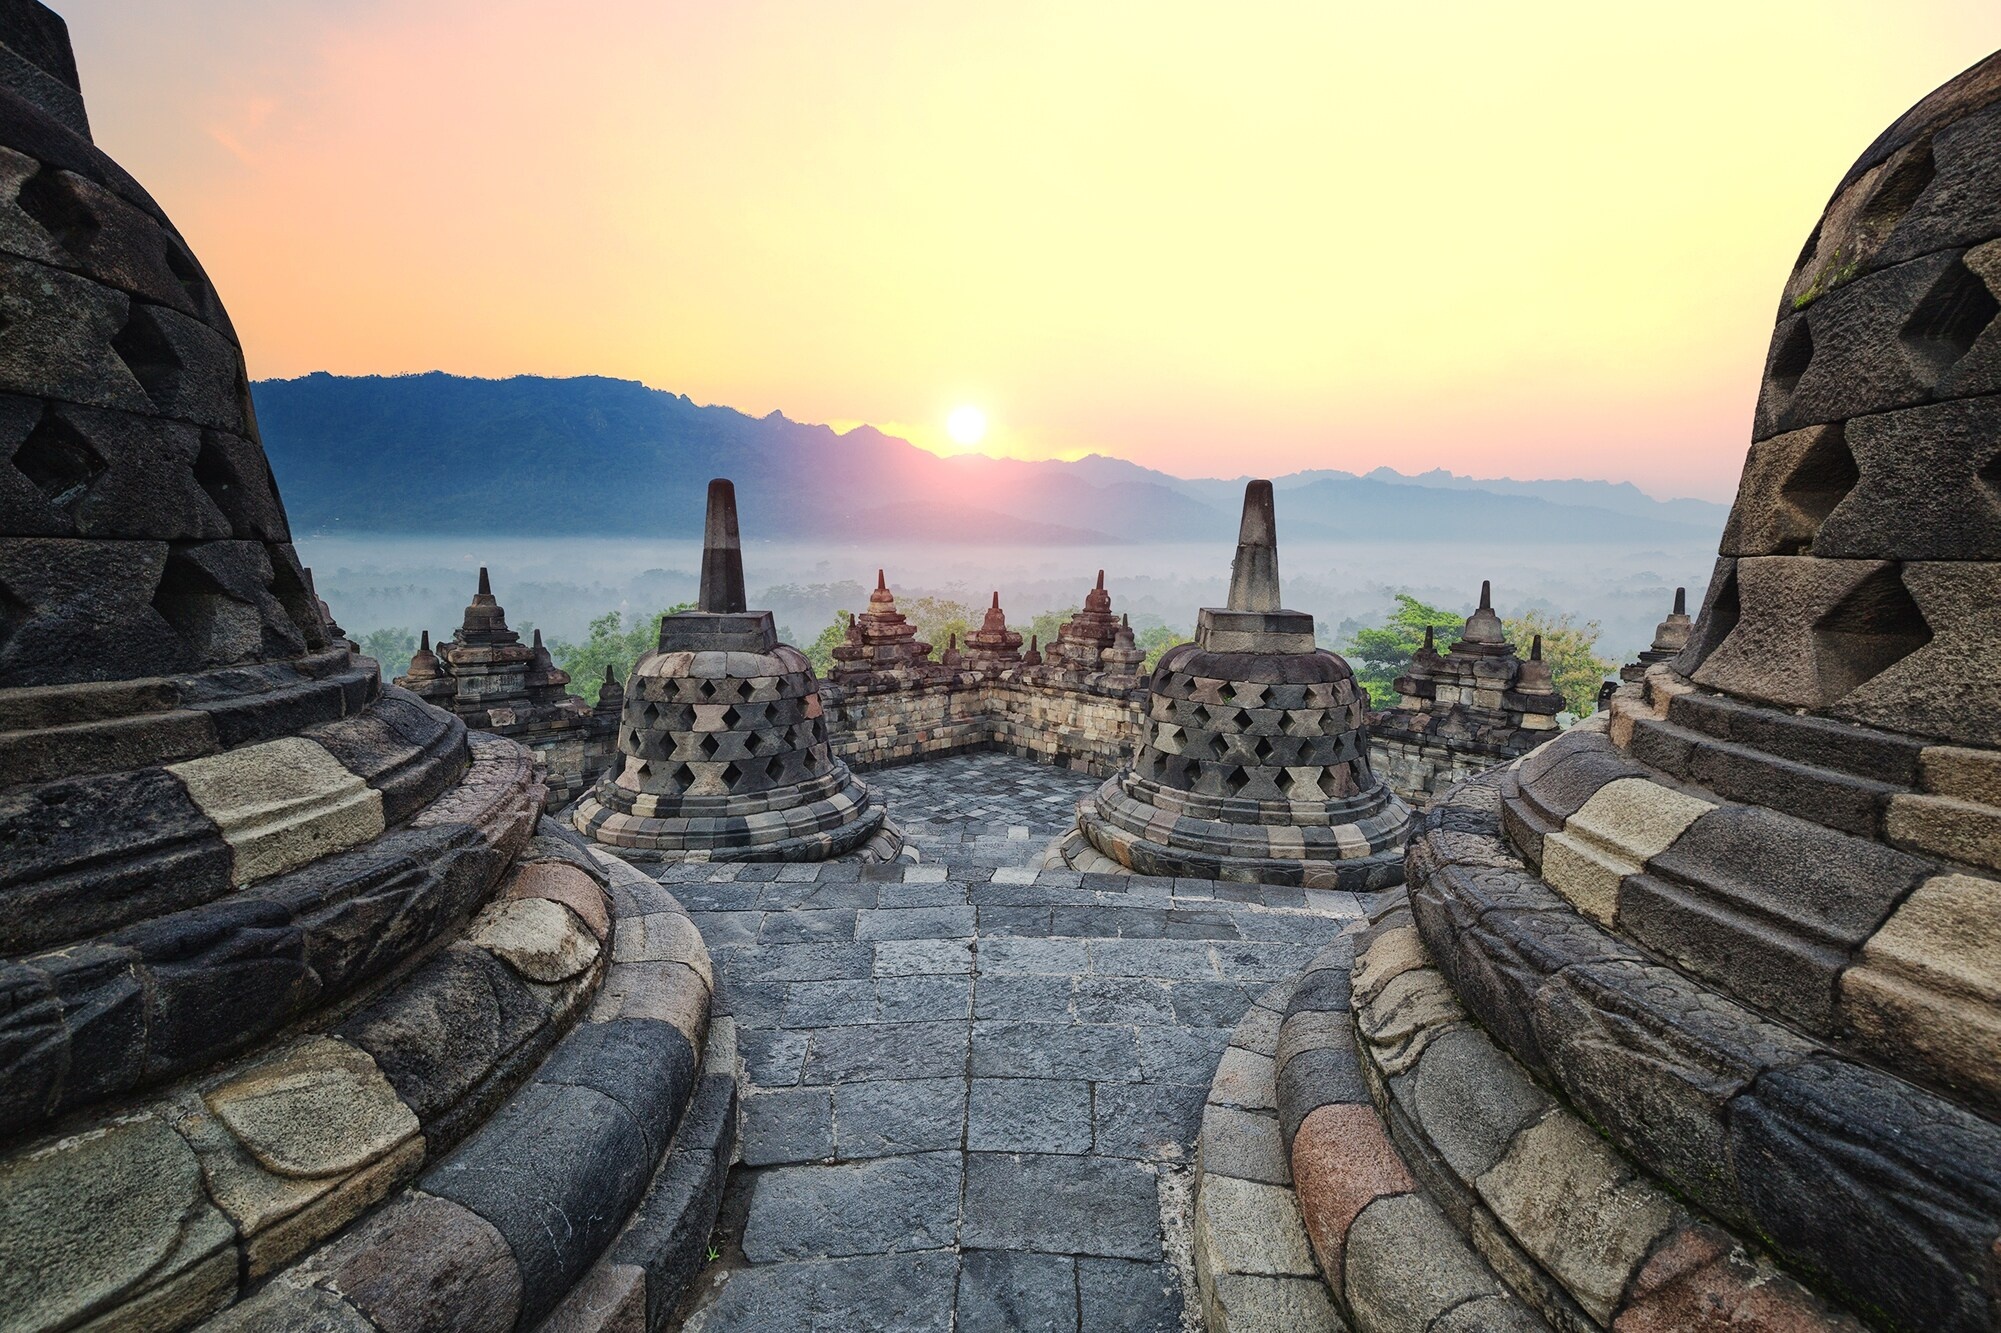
x=1531 y=240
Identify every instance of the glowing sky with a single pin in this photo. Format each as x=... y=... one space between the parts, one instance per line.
x=1531 y=240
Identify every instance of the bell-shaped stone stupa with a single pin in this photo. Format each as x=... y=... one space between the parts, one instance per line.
x=1747 y=922
x=305 y=1008
x=723 y=749
x=1253 y=761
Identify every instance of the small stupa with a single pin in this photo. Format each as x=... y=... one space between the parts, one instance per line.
x=993 y=646
x=1253 y=761
x=723 y=749
x=1084 y=637
x=880 y=641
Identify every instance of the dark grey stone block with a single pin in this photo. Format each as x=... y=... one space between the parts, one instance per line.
x=556 y=1171
x=1071 y=1205
x=1008 y=1291
x=788 y=1125
x=1028 y=1115
x=881 y=1206
x=889 y=1116
x=1131 y=1297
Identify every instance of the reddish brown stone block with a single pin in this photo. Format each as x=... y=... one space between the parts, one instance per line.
x=1342 y=1161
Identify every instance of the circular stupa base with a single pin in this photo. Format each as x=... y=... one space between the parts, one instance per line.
x=1148 y=829
x=819 y=822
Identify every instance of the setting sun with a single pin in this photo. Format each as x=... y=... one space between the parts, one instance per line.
x=966 y=426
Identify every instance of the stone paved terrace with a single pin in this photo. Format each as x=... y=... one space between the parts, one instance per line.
x=974 y=1089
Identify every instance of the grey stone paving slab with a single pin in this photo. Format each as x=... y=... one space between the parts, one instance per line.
x=1131 y=1297
x=897 y=1293
x=886 y=1051
x=1071 y=1205
x=809 y=925
x=1054 y=1050
x=787 y=1125
x=888 y=1116
x=1028 y=1115
x=973 y=1081
x=880 y=1206
x=1148 y=1119
x=1009 y=1291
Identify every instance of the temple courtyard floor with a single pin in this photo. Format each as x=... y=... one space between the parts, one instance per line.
x=973 y=1088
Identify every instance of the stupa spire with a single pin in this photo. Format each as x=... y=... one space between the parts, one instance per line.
x=1254 y=571
x=722 y=553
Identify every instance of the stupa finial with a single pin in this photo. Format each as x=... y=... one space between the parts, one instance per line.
x=722 y=553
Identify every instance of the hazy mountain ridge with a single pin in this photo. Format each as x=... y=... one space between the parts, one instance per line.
x=440 y=453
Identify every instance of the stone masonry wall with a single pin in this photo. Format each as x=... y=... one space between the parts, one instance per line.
x=1084 y=723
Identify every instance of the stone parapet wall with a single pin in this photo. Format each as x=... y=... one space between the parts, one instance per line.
x=1086 y=723
x=1418 y=767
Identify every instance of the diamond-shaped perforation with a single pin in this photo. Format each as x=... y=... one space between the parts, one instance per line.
x=1949 y=319
x=60 y=462
x=753 y=742
x=1822 y=479
x=1332 y=785
x=1262 y=749
x=50 y=197
x=1227 y=693
x=774 y=769
x=1217 y=746
x=1235 y=780
x=709 y=745
x=683 y=776
x=649 y=716
x=707 y=689
x=1866 y=633
x=731 y=775
x=147 y=353
x=1285 y=782
x=1201 y=715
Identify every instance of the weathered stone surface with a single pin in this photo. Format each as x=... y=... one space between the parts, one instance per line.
x=281 y=804
x=1342 y=1161
x=1919 y=1179
x=880 y=1118
x=1766 y=906
x=542 y=940
x=901 y=1293
x=1073 y=1205
x=1247 y=1304
x=1697 y=1282
x=1246 y=1227
x=427 y=1263
x=1471 y=1101
x=97 y=1218
x=321 y=1108
x=1927 y=989
x=556 y=1170
x=1573 y=1205
x=610 y=1299
x=1622 y=826
x=880 y=1206
x=1405 y=1265
x=1028 y=1115
x=1118 y=1293
x=645 y=1066
x=1008 y=1291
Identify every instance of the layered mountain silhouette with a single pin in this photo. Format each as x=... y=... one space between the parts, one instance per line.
x=607 y=457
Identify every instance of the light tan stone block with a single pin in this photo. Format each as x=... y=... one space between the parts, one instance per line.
x=1248 y=1227
x=1962 y=772
x=666 y=992
x=1570 y=1202
x=662 y=937
x=1389 y=956
x=1624 y=823
x=321 y=1108
x=1929 y=983
x=542 y=940
x=1941 y=826
x=281 y=804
